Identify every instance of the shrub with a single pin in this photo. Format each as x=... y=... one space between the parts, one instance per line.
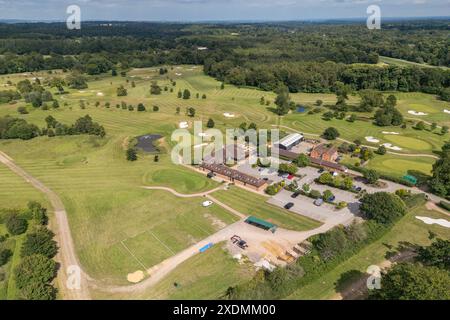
x=16 y=225
x=444 y=205
x=382 y=207
x=40 y=242
x=331 y=133
x=5 y=254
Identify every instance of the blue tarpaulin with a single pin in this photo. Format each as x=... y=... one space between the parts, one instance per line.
x=209 y=245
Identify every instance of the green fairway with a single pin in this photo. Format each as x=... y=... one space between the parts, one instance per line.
x=253 y=204
x=408 y=229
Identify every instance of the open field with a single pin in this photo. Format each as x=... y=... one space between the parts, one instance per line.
x=255 y=205
x=409 y=229
x=406 y=63
x=110 y=214
x=204 y=276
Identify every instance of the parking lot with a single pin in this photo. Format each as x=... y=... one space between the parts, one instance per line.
x=325 y=213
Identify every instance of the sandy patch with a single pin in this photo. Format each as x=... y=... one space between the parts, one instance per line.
x=415 y=113
x=388 y=132
x=183 y=125
x=81 y=91
x=215 y=221
x=178 y=74
x=372 y=139
x=446 y=111
x=430 y=221
x=100 y=94
x=392 y=147
x=202 y=134
x=136 y=277
x=229 y=115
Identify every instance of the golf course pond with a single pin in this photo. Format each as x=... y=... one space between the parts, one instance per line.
x=147 y=142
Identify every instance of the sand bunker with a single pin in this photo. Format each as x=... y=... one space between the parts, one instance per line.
x=202 y=134
x=430 y=221
x=183 y=125
x=178 y=74
x=387 y=132
x=415 y=113
x=136 y=277
x=229 y=115
x=447 y=111
x=372 y=139
x=82 y=91
x=392 y=147
x=100 y=94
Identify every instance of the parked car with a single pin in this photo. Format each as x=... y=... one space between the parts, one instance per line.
x=290 y=177
x=332 y=199
x=357 y=189
x=207 y=204
x=318 y=202
x=321 y=170
x=295 y=195
x=289 y=205
x=285 y=175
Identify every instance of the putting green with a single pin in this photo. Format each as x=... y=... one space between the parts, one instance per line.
x=186 y=181
x=408 y=142
x=400 y=166
x=422 y=108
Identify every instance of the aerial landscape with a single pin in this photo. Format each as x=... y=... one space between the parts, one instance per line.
x=324 y=154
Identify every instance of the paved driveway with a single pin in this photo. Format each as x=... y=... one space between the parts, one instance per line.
x=325 y=213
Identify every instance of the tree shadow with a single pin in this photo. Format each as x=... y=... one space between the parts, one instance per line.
x=346 y=280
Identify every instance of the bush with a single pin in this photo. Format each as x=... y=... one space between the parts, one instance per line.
x=444 y=205
x=5 y=254
x=40 y=242
x=16 y=225
x=382 y=207
x=32 y=274
x=131 y=154
x=315 y=194
x=140 y=107
x=331 y=133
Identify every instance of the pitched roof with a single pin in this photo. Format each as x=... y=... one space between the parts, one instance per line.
x=323 y=149
x=233 y=174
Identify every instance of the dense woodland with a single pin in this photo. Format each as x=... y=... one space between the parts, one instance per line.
x=306 y=57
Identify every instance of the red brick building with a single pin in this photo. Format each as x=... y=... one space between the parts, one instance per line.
x=325 y=153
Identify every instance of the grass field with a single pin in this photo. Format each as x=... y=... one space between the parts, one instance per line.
x=395 y=165
x=109 y=212
x=253 y=204
x=410 y=140
x=406 y=63
x=409 y=229
x=204 y=276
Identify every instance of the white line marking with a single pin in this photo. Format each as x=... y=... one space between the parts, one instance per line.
x=162 y=243
x=139 y=261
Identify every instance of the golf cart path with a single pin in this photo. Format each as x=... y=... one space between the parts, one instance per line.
x=66 y=253
x=184 y=195
x=370 y=147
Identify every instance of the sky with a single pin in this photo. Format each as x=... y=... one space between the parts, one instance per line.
x=212 y=10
